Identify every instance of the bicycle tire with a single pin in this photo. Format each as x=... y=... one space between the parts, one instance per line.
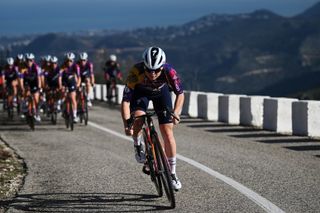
x=70 y=116
x=151 y=160
x=30 y=116
x=165 y=173
x=86 y=112
x=10 y=112
x=66 y=114
x=54 y=118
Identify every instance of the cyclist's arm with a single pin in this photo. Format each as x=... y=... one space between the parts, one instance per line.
x=92 y=79
x=60 y=79
x=178 y=104
x=2 y=79
x=78 y=76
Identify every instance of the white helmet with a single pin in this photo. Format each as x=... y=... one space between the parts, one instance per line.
x=10 y=61
x=47 y=58
x=70 y=56
x=20 y=56
x=113 y=57
x=154 y=58
x=29 y=56
x=54 y=59
x=83 y=56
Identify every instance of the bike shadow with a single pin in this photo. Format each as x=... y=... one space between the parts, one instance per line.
x=84 y=202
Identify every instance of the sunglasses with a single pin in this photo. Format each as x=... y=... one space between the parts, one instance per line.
x=151 y=71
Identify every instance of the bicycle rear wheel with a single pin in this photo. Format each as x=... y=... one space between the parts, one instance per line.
x=164 y=170
x=152 y=164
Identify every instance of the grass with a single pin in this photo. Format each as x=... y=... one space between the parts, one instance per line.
x=12 y=171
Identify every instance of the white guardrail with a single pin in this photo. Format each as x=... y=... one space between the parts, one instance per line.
x=282 y=115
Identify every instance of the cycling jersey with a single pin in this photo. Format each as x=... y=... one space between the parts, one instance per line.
x=30 y=76
x=52 y=77
x=112 y=70
x=10 y=74
x=138 y=80
x=87 y=69
x=68 y=76
x=140 y=90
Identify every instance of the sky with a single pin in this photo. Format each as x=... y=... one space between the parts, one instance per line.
x=41 y=16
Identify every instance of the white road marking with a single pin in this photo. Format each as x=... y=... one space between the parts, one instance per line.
x=258 y=199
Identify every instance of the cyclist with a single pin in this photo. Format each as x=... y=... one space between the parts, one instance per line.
x=70 y=75
x=9 y=76
x=45 y=68
x=53 y=81
x=112 y=73
x=30 y=79
x=152 y=80
x=19 y=61
x=86 y=71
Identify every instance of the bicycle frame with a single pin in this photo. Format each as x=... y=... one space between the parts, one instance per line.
x=160 y=170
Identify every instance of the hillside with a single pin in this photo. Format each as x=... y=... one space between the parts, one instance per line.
x=245 y=53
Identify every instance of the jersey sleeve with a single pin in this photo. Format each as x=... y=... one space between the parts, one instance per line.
x=91 y=68
x=174 y=80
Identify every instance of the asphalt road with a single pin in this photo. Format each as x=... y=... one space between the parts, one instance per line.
x=93 y=170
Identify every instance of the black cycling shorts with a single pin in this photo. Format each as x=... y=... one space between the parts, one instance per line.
x=161 y=101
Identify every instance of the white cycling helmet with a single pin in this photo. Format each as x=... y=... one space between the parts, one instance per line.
x=70 y=56
x=154 y=58
x=10 y=61
x=29 y=56
x=47 y=58
x=54 y=59
x=20 y=56
x=83 y=56
x=113 y=57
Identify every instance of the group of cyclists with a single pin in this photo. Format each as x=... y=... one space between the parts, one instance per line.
x=152 y=79
x=22 y=76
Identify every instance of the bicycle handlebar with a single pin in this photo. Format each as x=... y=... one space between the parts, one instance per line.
x=148 y=114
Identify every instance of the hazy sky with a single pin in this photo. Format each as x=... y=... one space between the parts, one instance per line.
x=29 y=16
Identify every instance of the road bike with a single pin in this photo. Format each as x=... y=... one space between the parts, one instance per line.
x=156 y=159
x=82 y=104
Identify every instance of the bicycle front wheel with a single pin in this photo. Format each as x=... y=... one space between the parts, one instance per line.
x=164 y=170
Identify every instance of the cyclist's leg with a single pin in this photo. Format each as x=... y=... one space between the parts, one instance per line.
x=109 y=92
x=166 y=128
x=138 y=107
x=74 y=102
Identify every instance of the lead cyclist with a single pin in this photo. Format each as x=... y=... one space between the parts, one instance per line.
x=152 y=80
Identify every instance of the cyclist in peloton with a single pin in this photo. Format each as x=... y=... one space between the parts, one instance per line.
x=19 y=61
x=70 y=74
x=152 y=80
x=30 y=78
x=53 y=81
x=45 y=68
x=112 y=73
x=10 y=76
x=87 y=76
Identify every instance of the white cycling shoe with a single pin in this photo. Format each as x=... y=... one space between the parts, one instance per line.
x=176 y=184
x=76 y=119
